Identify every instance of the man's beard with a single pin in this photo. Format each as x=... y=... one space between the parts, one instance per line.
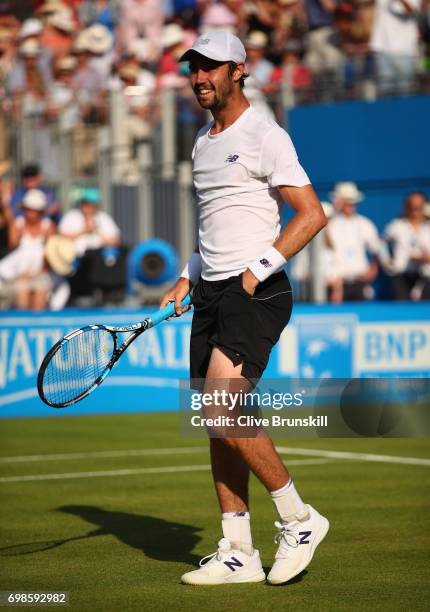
x=220 y=100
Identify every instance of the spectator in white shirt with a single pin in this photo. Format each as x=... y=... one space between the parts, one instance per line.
x=302 y=265
x=89 y=227
x=394 y=40
x=352 y=237
x=408 y=241
x=24 y=270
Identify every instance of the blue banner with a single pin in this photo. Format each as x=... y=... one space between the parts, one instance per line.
x=369 y=340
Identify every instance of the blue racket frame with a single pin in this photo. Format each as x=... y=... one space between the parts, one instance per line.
x=136 y=330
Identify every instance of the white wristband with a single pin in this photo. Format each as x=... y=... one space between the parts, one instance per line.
x=267 y=264
x=193 y=268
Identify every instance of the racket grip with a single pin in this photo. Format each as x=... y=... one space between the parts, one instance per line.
x=168 y=311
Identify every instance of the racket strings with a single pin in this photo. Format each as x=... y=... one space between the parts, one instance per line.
x=77 y=364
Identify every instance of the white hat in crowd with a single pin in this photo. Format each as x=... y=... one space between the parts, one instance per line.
x=62 y=20
x=35 y=199
x=220 y=46
x=140 y=48
x=60 y=253
x=29 y=47
x=347 y=190
x=50 y=6
x=30 y=27
x=256 y=40
x=98 y=38
x=171 y=35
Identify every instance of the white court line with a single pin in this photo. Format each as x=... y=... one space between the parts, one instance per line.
x=18 y=396
x=354 y=456
x=135 y=381
x=142 y=452
x=198 y=449
x=129 y=472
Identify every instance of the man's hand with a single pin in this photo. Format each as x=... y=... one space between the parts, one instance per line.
x=176 y=294
x=249 y=282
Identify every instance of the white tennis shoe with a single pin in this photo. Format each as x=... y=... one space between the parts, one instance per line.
x=227 y=565
x=297 y=543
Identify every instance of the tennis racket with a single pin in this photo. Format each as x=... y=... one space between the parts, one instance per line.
x=78 y=363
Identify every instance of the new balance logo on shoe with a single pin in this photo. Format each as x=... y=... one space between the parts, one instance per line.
x=305 y=535
x=232 y=158
x=266 y=263
x=233 y=563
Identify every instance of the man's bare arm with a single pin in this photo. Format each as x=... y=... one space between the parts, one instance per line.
x=306 y=223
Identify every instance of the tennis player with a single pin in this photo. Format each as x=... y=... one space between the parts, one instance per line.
x=245 y=167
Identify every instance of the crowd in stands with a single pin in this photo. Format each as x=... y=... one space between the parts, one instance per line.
x=353 y=254
x=46 y=260
x=62 y=57
x=61 y=60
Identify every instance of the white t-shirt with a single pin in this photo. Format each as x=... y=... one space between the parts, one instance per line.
x=236 y=173
x=394 y=29
x=28 y=258
x=73 y=222
x=351 y=239
x=408 y=241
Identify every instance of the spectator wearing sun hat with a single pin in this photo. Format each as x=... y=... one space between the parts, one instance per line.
x=27 y=75
x=24 y=268
x=173 y=46
x=58 y=33
x=100 y=44
x=353 y=237
x=87 y=225
x=257 y=65
x=259 y=71
x=61 y=99
x=32 y=28
x=32 y=178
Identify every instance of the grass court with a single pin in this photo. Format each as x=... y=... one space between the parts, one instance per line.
x=114 y=509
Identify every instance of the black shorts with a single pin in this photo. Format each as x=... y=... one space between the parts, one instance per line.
x=243 y=327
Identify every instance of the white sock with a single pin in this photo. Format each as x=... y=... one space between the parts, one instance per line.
x=236 y=527
x=289 y=504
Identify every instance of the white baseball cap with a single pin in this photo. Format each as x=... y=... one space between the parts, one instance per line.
x=35 y=199
x=217 y=45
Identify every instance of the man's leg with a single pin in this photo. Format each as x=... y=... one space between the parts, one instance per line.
x=233 y=457
x=300 y=524
x=229 y=455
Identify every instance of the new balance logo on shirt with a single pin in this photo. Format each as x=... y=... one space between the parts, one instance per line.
x=232 y=158
x=266 y=263
x=233 y=563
